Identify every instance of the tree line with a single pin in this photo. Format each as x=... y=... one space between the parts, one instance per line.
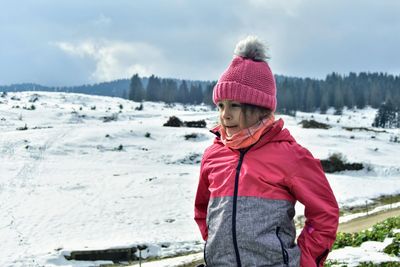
x=303 y=94
x=170 y=90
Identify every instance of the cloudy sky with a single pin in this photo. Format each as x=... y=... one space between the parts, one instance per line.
x=72 y=42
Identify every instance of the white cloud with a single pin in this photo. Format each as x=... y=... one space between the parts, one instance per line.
x=289 y=8
x=116 y=59
x=102 y=21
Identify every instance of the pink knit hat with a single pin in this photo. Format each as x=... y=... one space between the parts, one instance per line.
x=248 y=78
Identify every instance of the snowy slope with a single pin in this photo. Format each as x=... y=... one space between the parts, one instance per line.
x=72 y=181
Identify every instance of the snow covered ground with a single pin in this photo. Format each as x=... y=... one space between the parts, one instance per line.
x=72 y=181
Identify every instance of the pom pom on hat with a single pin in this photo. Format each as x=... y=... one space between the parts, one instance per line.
x=248 y=79
x=251 y=48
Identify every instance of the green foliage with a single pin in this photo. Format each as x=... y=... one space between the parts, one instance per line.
x=312 y=124
x=337 y=162
x=153 y=91
x=136 y=90
x=378 y=233
x=337 y=91
x=388 y=116
x=329 y=263
x=383 y=264
x=394 y=248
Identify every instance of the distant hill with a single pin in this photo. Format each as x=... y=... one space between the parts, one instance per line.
x=302 y=94
x=116 y=88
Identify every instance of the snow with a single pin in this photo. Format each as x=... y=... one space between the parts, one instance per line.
x=368 y=251
x=67 y=184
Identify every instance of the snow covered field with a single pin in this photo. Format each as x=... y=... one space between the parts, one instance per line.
x=72 y=181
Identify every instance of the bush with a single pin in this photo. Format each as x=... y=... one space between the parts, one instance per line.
x=312 y=124
x=191 y=136
x=119 y=148
x=139 y=107
x=113 y=117
x=336 y=162
x=196 y=124
x=176 y=122
x=173 y=122
x=31 y=107
x=394 y=248
x=379 y=232
x=147 y=135
x=34 y=98
x=22 y=128
x=394 y=139
x=382 y=264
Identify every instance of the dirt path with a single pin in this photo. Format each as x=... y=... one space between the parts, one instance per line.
x=366 y=222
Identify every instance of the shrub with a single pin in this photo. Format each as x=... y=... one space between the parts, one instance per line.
x=312 y=124
x=176 y=122
x=379 y=232
x=394 y=248
x=113 y=117
x=24 y=128
x=34 y=98
x=139 y=107
x=119 y=148
x=192 y=158
x=336 y=162
x=196 y=124
x=173 y=122
x=147 y=135
x=31 y=107
x=191 y=136
x=394 y=139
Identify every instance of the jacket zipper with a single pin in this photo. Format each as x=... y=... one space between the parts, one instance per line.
x=235 y=196
x=204 y=254
x=320 y=257
x=285 y=255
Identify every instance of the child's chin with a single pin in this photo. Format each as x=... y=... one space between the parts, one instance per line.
x=230 y=133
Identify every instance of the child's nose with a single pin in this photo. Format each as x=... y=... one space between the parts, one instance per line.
x=226 y=114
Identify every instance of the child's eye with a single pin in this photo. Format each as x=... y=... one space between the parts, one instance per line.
x=220 y=105
x=235 y=105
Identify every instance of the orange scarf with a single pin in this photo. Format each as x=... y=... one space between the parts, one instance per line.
x=246 y=137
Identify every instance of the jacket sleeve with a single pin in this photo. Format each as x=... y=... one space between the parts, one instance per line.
x=310 y=186
x=201 y=201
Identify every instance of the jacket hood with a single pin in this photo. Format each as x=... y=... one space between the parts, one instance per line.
x=275 y=134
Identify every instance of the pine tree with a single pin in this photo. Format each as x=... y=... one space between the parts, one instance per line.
x=207 y=97
x=183 y=93
x=169 y=90
x=387 y=116
x=195 y=94
x=136 y=91
x=153 y=89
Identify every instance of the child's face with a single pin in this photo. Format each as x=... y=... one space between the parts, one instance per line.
x=232 y=117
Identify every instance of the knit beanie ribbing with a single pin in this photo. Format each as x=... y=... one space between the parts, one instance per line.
x=248 y=79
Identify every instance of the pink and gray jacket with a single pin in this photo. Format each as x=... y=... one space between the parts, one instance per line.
x=245 y=201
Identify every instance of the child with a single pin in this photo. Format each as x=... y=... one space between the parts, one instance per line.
x=253 y=174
